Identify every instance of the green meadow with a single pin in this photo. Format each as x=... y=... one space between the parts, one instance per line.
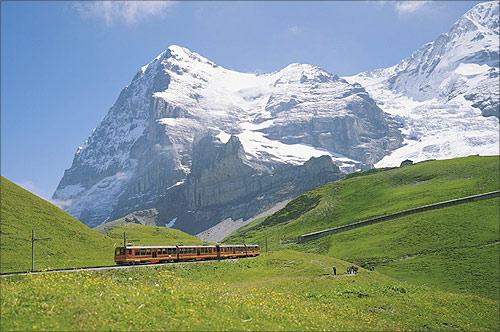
x=437 y=270
x=285 y=290
x=70 y=243
x=453 y=249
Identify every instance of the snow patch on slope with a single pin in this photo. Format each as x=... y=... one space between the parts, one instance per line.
x=435 y=129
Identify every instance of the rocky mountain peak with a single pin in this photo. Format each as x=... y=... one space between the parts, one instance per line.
x=446 y=93
x=485 y=15
x=153 y=144
x=200 y=143
x=303 y=73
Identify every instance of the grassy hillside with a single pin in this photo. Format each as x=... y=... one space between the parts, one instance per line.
x=148 y=235
x=284 y=290
x=454 y=248
x=71 y=244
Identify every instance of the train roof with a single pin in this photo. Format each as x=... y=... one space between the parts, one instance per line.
x=189 y=246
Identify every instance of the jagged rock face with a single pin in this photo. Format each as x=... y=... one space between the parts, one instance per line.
x=463 y=61
x=201 y=143
x=220 y=174
x=224 y=183
x=446 y=94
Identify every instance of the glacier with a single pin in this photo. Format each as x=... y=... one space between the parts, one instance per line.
x=198 y=143
x=446 y=93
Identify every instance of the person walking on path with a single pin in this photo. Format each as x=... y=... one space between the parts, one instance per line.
x=334 y=270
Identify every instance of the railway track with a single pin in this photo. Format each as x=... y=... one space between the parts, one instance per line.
x=111 y=267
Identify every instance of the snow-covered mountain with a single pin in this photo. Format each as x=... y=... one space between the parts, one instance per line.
x=446 y=93
x=201 y=143
x=197 y=143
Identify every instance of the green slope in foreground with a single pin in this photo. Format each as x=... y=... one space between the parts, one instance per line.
x=138 y=234
x=455 y=248
x=285 y=290
x=71 y=243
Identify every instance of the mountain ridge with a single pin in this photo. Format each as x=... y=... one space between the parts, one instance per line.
x=266 y=127
x=441 y=90
x=277 y=123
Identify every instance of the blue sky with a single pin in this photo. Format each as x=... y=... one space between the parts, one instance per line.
x=63 y=64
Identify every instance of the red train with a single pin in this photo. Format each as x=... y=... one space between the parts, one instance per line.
x=162 y=254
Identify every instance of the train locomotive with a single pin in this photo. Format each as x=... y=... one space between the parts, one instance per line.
x=130 y=255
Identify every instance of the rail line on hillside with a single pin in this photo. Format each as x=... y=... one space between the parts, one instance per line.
x=114 y=267
x=404 y=213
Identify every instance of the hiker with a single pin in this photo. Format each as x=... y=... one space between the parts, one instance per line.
x=334 y=270
x=352 y=269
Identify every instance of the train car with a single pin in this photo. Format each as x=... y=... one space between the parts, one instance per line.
x=163 y=254
x=145 y=254
x=235 y=251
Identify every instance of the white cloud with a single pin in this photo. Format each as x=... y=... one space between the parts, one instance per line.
x=63 y=204
x=34 y=189
x=129 y=12
x=405 y=7
x=409 y=7
x=121 y=176
x=295 y=30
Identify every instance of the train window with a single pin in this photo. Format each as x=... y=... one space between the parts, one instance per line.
x=129 y=251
